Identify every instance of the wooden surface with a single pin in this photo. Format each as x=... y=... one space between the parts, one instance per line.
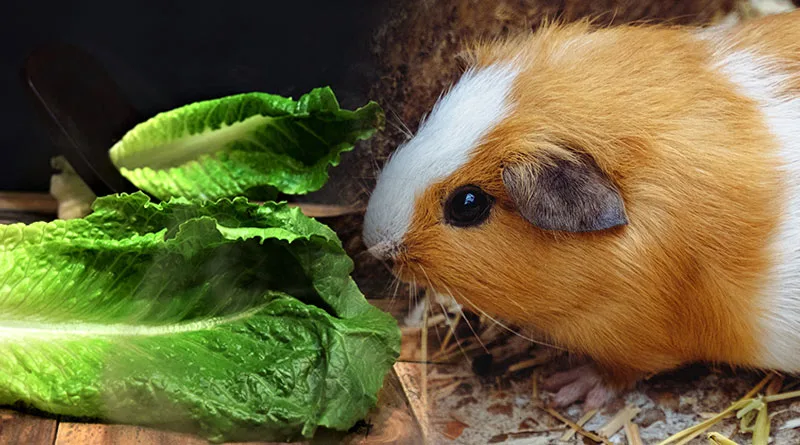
x=17 y=428
x=392 y=422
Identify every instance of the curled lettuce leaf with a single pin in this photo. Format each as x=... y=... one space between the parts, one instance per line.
x=227 y=319
x=253 y=144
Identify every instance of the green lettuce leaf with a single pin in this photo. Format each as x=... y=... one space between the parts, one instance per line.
x=227 y=319
x=253 y=144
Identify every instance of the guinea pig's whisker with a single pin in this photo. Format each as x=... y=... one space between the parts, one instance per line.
x=400 y=125
x=453 y=326
x=392 y=112
x=449 y=292
x=370 y=253
x=386 y=265
x=474 y=332
x=389 y=289
x=410 y=299
x=466 y=320
x=436 y=326
x=413 y=293
x=498 y=323
x=396 y=283
x=431 y=293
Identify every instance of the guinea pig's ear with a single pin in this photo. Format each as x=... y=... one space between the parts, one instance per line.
x=565 y=195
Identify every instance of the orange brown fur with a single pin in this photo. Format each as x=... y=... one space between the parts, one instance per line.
x=696 y=167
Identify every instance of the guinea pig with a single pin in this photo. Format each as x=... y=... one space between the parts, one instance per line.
x=630 y=193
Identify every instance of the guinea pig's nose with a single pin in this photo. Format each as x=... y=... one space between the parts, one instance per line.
x=384 y=250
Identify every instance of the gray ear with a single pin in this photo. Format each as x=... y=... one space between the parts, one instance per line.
x=566 y=196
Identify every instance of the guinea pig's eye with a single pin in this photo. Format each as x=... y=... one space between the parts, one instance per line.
x=467 y=206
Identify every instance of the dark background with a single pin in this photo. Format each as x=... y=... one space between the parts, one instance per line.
x=165 y=54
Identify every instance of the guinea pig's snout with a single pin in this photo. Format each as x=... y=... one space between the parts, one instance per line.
x=385 y=223
x=383 y=250
x=380 y=240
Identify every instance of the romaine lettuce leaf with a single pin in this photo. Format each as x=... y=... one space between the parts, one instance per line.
x=242 y=145
x=227 y=319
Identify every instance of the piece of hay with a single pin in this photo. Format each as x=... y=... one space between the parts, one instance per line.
x=453 y=325
x=618 y=422
x=774 y=386
x=579 y=429
x=535 y=396
x=754 y=419
x=543 y=356
x=719 y=439
x=632 y=433
x=581 y=422
x=742 y=407
x=688 y=434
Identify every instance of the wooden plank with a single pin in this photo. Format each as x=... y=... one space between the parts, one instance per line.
x=70 y=433
x=101 y=434
x=23 y=429
x=28 y=202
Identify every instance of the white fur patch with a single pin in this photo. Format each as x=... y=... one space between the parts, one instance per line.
x=455 y=126
x=762 y=80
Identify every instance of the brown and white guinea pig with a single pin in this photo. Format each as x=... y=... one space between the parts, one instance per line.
x=631 y=193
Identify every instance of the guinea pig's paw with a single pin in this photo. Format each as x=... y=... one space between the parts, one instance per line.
x=581 y=383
